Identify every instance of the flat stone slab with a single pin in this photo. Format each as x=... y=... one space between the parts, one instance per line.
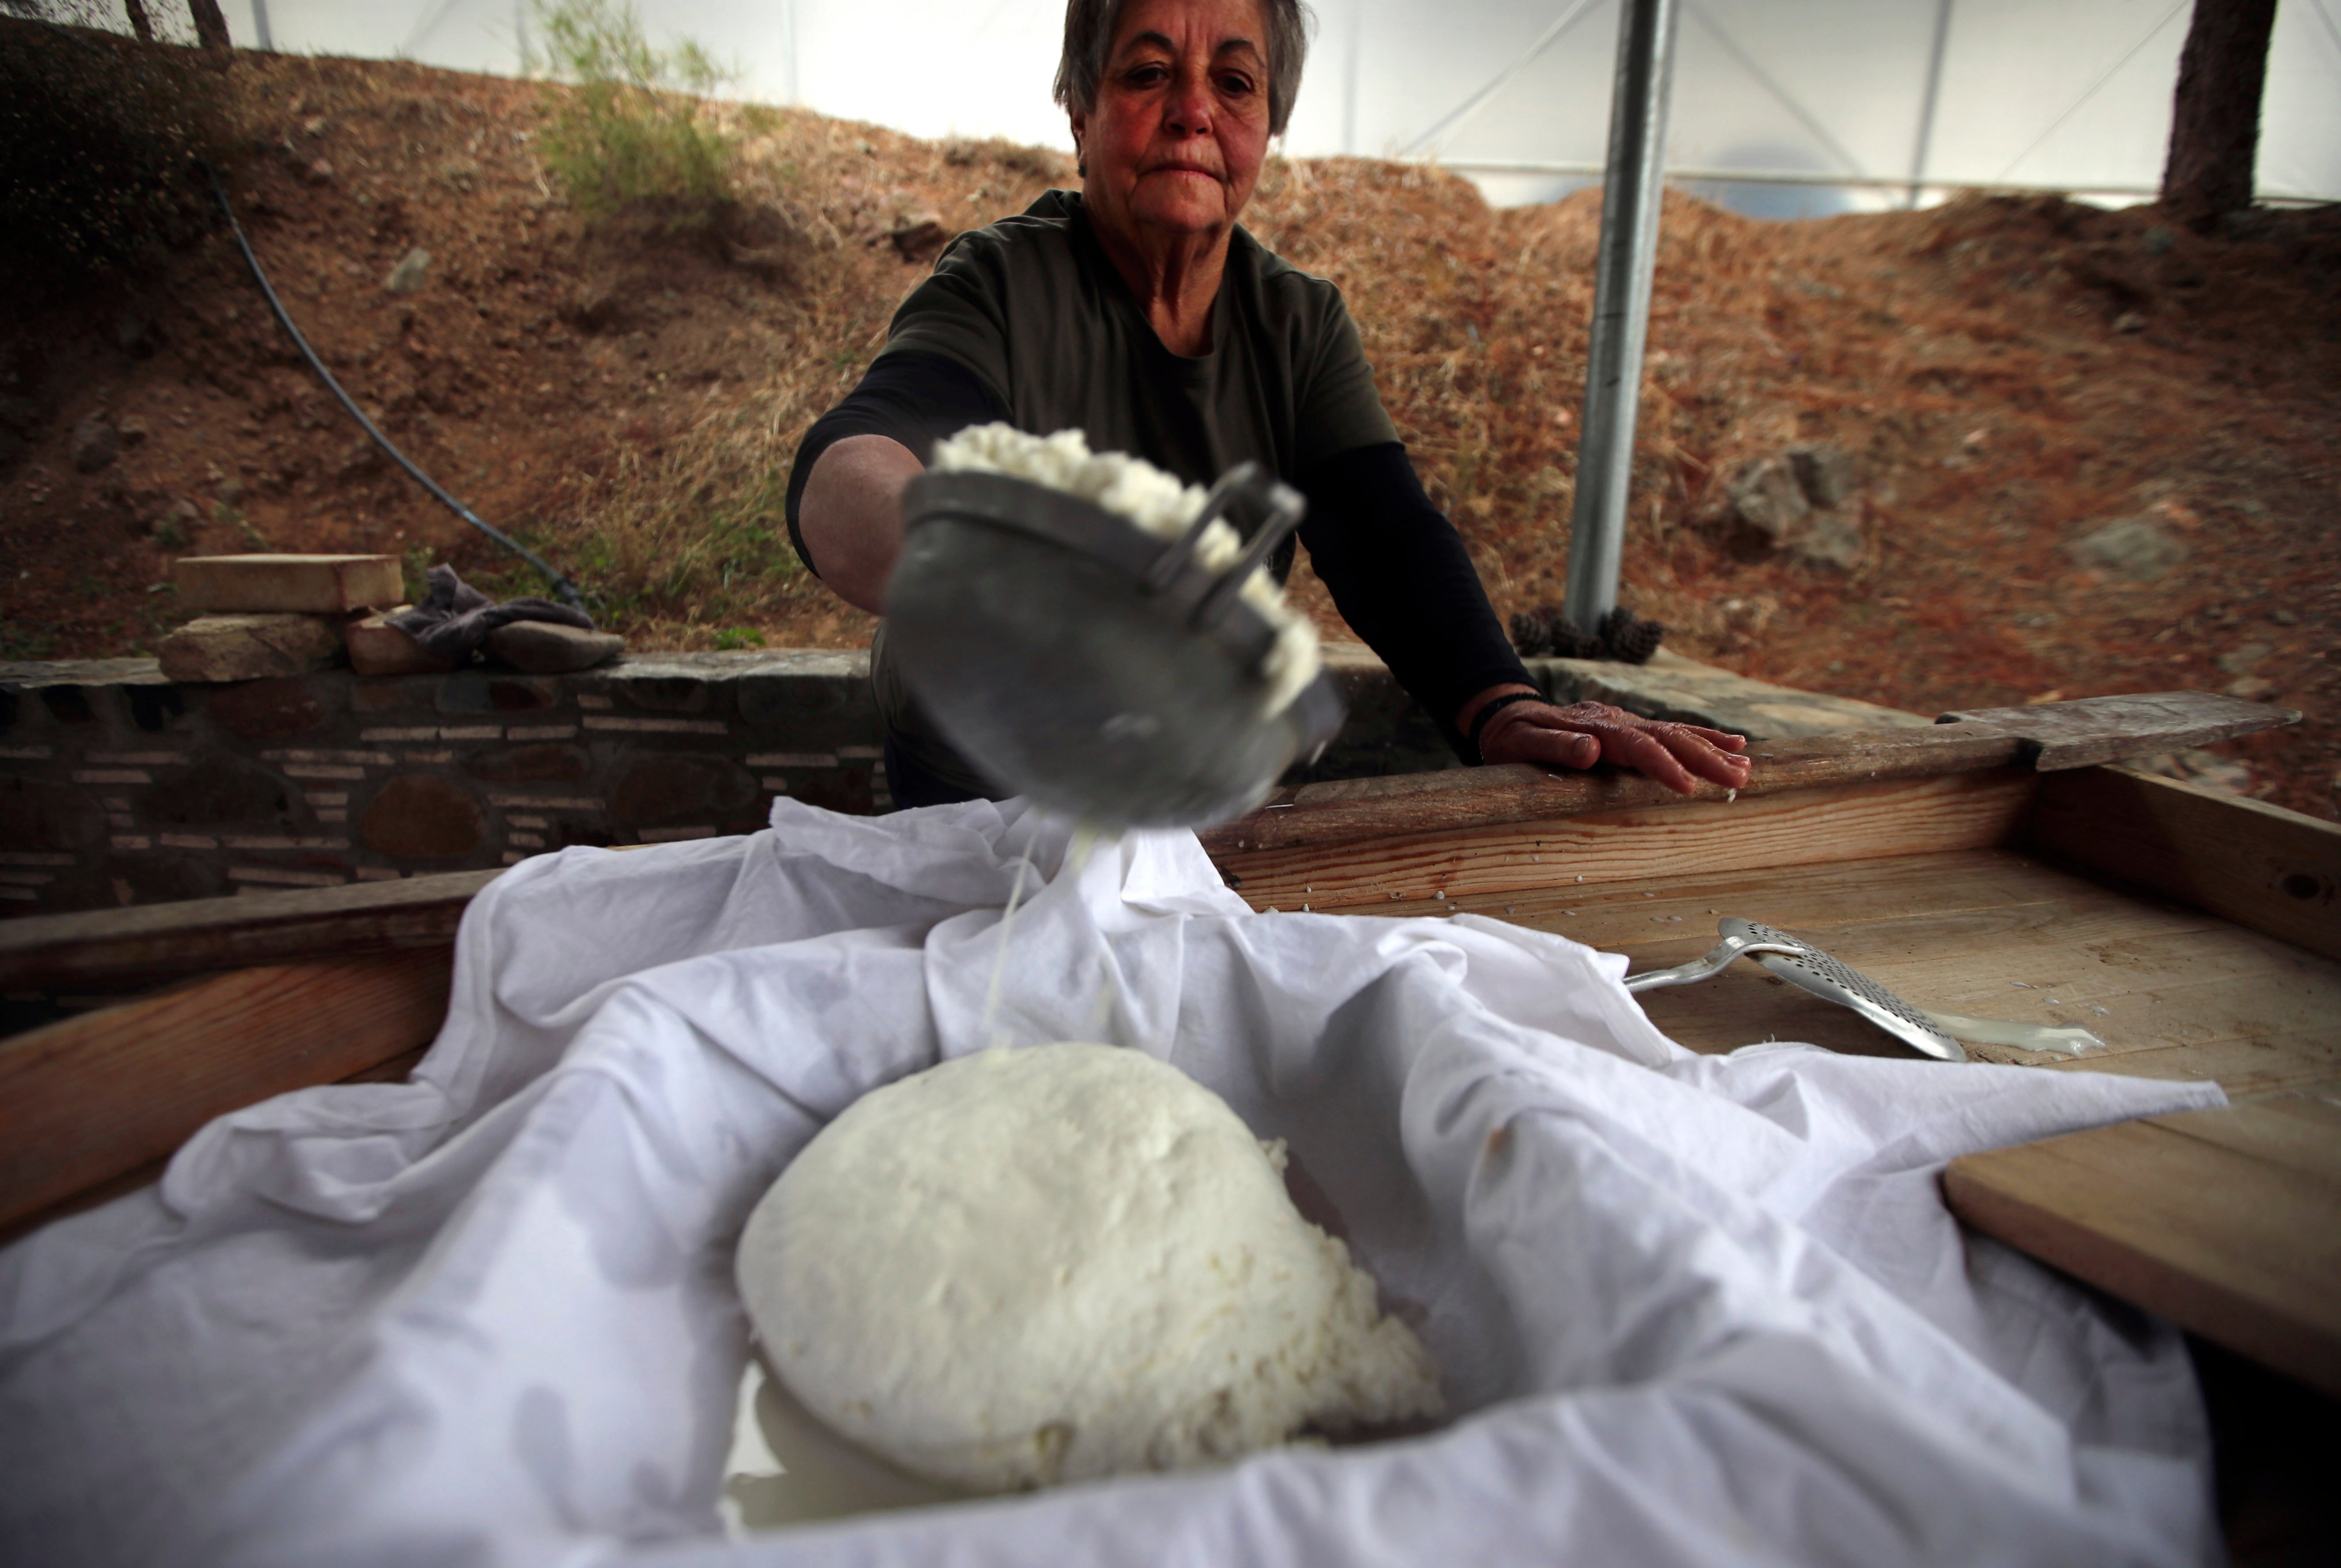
x=214 y=647
x=378 y=647
x=31 y=674
x=288 y=584
x=833 y=663
x=1673 y=687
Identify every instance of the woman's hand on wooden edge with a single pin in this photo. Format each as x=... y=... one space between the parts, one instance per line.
x=1583 y=733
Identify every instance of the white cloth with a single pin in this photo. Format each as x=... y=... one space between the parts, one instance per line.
x=1687 y=1309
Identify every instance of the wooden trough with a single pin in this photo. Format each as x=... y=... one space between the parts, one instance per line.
x=1993 y=866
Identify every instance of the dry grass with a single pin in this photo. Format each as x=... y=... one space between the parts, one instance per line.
x=687 y=540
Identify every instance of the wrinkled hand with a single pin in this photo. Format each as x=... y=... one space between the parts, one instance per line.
x=1676 y=755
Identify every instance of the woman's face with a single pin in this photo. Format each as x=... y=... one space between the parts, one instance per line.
x=1180 y=126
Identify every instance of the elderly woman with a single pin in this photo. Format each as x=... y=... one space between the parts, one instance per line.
x=1139 y=312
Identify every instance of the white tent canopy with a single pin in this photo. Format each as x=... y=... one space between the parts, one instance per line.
x=1884 y=94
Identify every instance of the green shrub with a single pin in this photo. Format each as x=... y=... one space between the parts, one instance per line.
x=634 y=131
x=414 y=571
x=99 y=141
x=24 y=642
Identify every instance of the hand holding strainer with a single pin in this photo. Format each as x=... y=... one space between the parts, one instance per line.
x=1099 y=669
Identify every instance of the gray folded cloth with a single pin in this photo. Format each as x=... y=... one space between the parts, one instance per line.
x=455 y=618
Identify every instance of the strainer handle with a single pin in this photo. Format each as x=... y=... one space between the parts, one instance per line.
x=1285 y=509
x=1173 y=560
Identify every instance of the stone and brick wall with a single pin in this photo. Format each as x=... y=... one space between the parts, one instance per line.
x=118 y=786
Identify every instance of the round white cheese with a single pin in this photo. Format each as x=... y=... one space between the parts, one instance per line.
x=1043 y=1263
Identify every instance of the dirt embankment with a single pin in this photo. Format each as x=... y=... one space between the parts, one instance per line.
x=1975 y=394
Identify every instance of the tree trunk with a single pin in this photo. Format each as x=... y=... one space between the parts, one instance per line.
x=138 y=22
x=211 y=27
x=2214 y=122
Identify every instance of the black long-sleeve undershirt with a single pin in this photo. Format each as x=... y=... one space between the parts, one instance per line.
x=1396 y=570
x=1400 y=577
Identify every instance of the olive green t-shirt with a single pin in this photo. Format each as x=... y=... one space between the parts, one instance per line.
x=1034 y=308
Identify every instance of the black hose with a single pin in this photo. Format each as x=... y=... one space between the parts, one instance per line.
x=561 y=585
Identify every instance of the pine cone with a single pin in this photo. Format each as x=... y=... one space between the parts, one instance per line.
x=1627 y=637
x=1532 y=632
x=1545 y=630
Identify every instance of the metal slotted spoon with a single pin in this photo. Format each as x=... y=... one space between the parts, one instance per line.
x=1803 y=965
x=1818 y=972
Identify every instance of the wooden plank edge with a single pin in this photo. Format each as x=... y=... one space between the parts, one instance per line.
x=1346 y=810
x=2081 y=731
x=1973 y=810
x=2242 y=1323
x=83 y=1100
x=84 y=1199
x=2298 y=1136
x=2266 y=868
x=2054 y=735
x=395 y=1069
x=150 y=943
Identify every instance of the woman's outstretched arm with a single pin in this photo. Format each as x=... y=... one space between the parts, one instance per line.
x=851 y=516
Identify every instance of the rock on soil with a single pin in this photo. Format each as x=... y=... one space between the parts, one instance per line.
x=1830 y=541
x=2136 y=548
x=414 y=268
x=1791 y=504
x=1824 y=472
x=95 y=443
x=1768 y=502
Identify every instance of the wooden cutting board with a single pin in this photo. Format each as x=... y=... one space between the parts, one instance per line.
x=2227 y=1222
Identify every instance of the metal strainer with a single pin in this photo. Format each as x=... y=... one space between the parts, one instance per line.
x=1076 y=658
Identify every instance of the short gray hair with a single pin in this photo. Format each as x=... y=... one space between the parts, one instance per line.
x=1090 y=28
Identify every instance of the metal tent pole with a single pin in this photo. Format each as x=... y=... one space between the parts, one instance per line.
x=1621 y=306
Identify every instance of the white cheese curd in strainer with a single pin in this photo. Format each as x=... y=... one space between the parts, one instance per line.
x=1053 y=1263
x=1155 y=502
